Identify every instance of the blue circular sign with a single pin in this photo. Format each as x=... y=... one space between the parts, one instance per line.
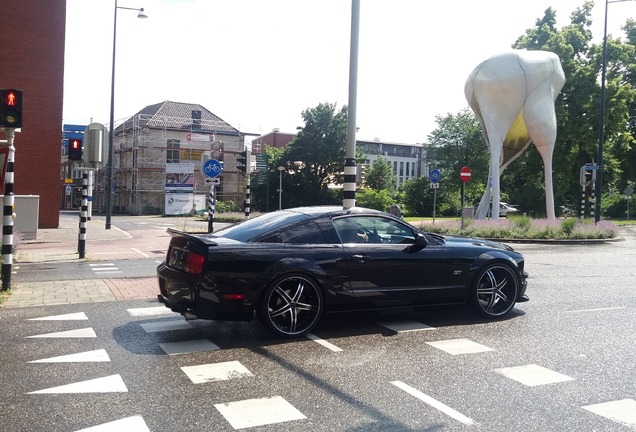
x=212 y=168
x=435 y=175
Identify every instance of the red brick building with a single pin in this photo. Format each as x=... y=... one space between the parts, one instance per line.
x=275 y=138
x=32 y=60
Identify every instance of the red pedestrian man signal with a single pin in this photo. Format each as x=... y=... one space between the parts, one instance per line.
x=11 y=108
x=75 y=150
x=465 y=174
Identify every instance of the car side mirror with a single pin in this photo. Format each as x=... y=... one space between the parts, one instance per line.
x=420 y=243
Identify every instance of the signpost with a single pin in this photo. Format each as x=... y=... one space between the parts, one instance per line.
x=435 y=176
x=628 y=196
x=464 y=175
x=211 y=169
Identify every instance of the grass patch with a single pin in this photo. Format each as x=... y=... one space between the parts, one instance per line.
x=523 y=227
x=4 y=295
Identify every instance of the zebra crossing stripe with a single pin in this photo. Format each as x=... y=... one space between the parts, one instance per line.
x=99 y=355
x=108 y=384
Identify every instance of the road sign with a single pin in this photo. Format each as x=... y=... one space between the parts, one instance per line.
x=68 y=190
x=435 y=176
x=212 y=168
x=214 y=180
x=465 y=174
x=628 y=191
x=434 y=185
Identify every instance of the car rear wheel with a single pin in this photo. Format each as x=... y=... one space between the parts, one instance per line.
x=495 y=291
x=292 y=306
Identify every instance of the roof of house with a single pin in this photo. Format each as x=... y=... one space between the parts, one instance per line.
x=178 y=115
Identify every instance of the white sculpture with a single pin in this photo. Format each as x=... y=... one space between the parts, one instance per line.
x=512 y=95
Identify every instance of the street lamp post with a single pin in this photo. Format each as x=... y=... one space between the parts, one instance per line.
x=111 y=144
x=601 y=127
x=280 y=186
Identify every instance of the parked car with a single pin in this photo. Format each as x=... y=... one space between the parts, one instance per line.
x=504 y=209
x=288 y=268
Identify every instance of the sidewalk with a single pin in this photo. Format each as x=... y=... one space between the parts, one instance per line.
x=60 y=245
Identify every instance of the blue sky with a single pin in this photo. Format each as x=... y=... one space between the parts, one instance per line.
x=258 y=64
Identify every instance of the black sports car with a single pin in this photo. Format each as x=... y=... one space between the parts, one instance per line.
x=289 y=267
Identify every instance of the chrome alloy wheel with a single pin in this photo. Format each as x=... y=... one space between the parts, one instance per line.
x=293 y=305
x=495 y=292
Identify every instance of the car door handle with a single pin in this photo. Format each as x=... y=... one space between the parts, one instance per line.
x=360 y=258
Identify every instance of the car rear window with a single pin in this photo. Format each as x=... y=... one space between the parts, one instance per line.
x=252 y=228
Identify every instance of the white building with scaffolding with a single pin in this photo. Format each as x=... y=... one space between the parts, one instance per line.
x=157 y=158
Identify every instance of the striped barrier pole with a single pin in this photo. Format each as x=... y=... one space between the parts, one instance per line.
x=7 y=215
x=211 y=209
x=247 y=197
x=83 y=216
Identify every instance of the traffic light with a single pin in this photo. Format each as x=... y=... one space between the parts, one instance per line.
x=11 y=108
x=75 y=150
x=242 y=161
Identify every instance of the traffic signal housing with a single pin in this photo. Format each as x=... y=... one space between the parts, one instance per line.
x=75 y=149
x=242 y=161
x=11 y=108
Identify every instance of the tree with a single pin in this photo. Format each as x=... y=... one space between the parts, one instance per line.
x=315 y=159
x=578 y=109
x=458 y=141
x=380 y=175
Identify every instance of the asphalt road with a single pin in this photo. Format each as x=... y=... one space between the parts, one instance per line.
x=564 y=361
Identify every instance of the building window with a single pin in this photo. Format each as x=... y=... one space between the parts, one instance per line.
x=173 y=151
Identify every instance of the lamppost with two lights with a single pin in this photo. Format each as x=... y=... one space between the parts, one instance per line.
x=601 y=127
x=111 y=144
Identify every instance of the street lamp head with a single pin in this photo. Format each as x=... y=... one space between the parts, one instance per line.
x=141 y=14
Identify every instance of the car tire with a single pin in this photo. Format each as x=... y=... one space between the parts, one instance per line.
x=495 y=290
x=291 y=306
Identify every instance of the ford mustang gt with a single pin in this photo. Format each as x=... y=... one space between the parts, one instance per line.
x=290 y=267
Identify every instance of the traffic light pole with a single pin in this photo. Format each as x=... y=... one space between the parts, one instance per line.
x=81 y=238
x=211 y=210
x=7 y=214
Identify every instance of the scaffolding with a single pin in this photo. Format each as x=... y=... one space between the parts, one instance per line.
x=146 y=142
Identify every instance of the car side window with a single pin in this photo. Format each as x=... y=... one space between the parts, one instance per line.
x=306 y=233
x=372 y=229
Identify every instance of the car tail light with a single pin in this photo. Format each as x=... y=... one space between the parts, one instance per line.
x=184 y=260
x=193 y=263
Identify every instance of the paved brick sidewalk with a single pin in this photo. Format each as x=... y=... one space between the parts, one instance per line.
x=60 y=245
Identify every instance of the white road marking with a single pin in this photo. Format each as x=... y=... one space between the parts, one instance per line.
x=161 y=326
x=459 y=346
x=621 y=411
x=258 y=412
x=406 y=326
x=128 y=424
x=104 y=268
x=99 y=355
x=323 y=342
x=187 y=347
x=109 y=384
x=87 y=332
x=216 y=372
x=434 y=403
x=533 y=375
x=149 y=311
x=65 y=317
x=142 y=253
x=596 y=309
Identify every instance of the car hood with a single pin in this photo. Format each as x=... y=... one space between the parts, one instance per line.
x=471 y=241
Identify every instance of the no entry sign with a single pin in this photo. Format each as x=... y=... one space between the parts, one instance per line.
x=465 y=174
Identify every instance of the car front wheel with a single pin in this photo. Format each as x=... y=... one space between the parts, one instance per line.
x=291 y=306
x=495 y=291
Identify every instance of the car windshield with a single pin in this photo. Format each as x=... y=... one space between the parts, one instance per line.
x=251 y=228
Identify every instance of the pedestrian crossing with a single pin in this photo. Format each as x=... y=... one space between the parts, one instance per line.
x=105 y=268
x=275 y=409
